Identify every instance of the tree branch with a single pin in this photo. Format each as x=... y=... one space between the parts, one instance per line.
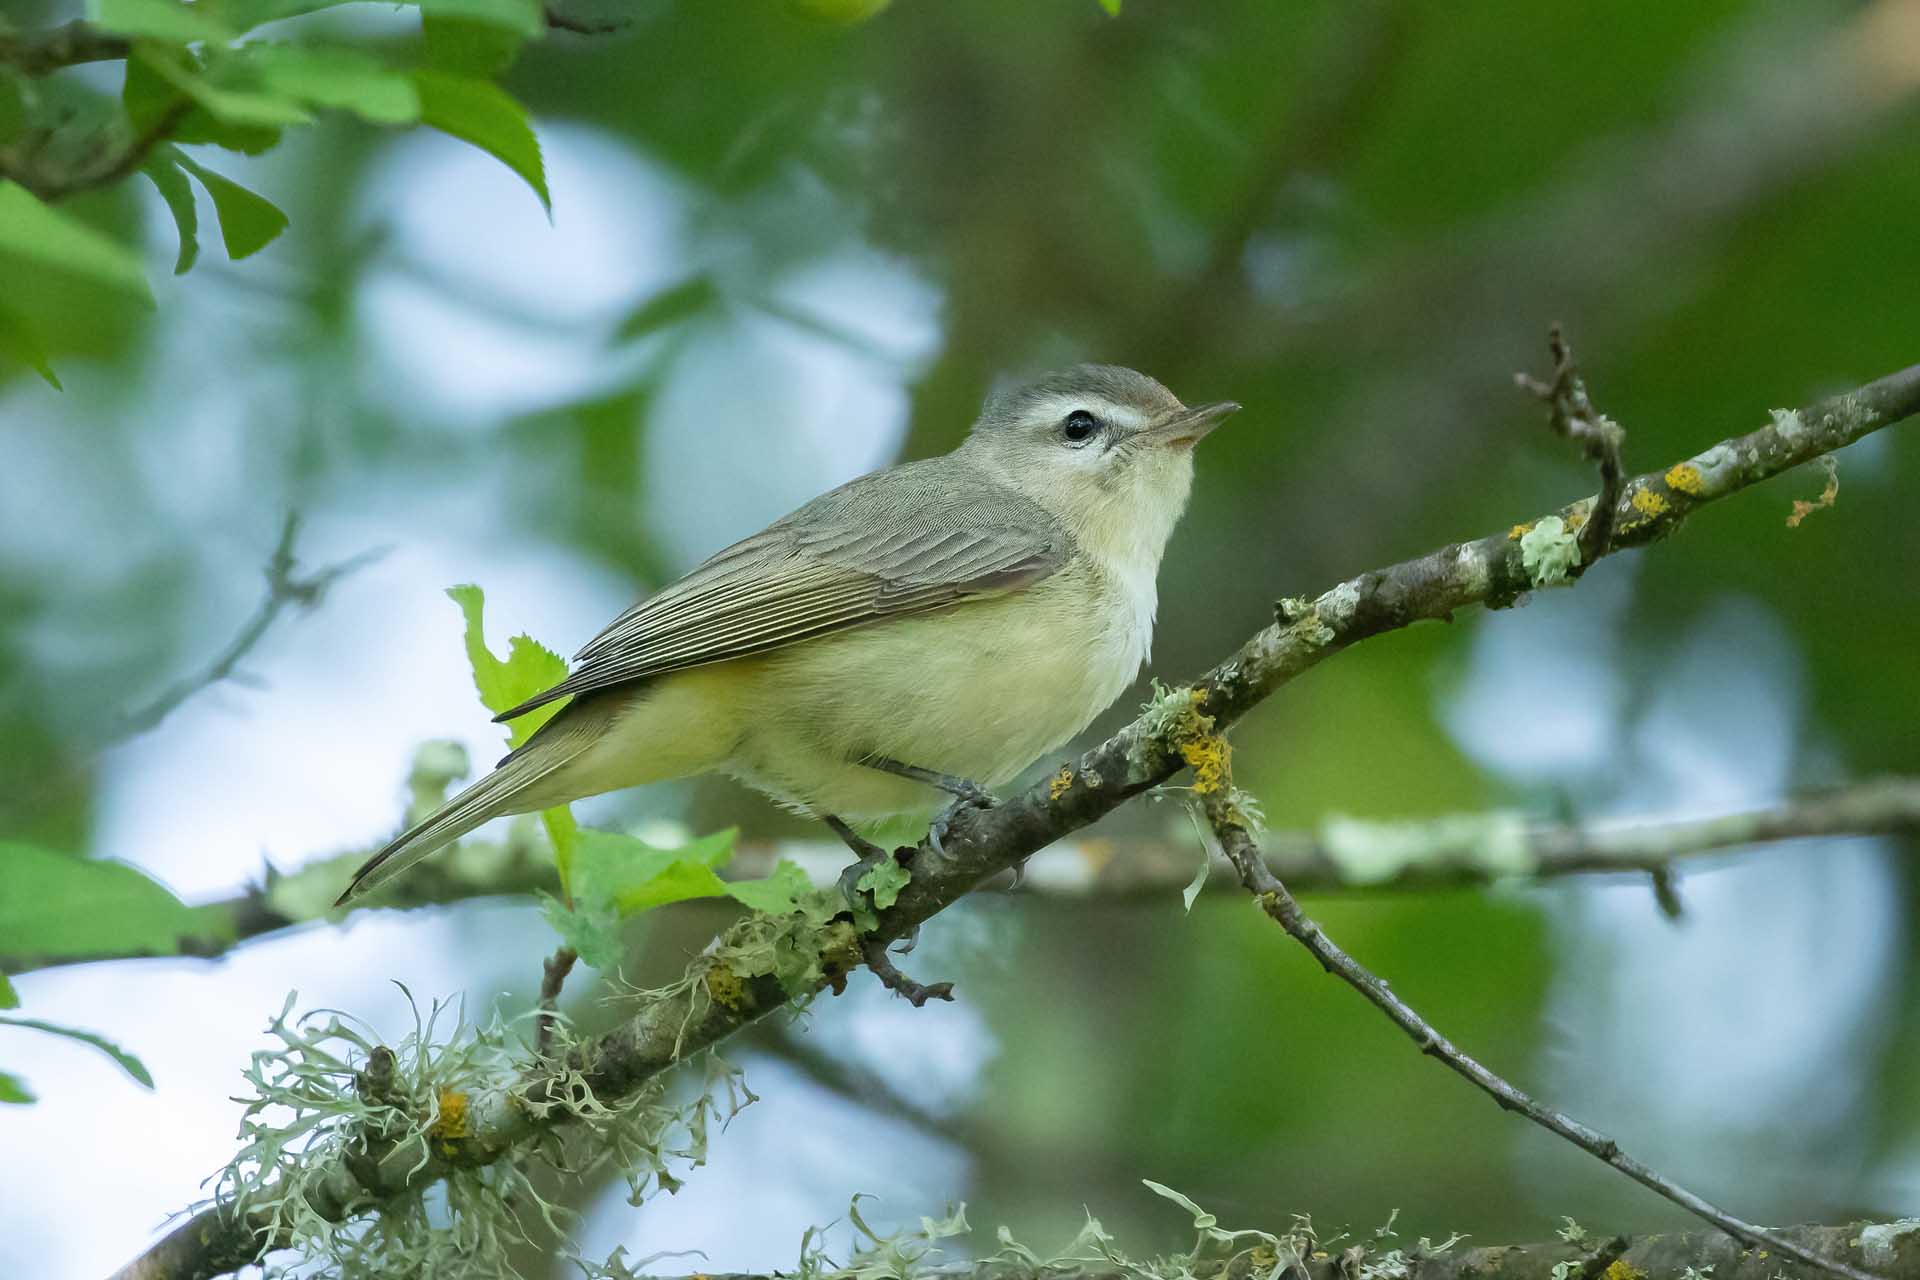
x=1238 y=844
x=1174 y=732
x=1455 y=851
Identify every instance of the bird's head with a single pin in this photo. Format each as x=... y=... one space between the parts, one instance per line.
x=1107 y=451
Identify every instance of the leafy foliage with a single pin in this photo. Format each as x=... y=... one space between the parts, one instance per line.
x=193 y=76
x=61 y=906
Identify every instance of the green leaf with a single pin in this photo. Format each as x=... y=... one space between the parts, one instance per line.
x=163 y=168
x=29 y=229
x=18 y=339
x=524 y=17
x=530 y=668
x=13 y=104
x=336 y=78
x=159 y=20
x=482 y=113
x=55 y=905
x=778 y=894
x=9 y=998
x=884 y=880
x=13 y=1089
x=126 y=1061
x=248 y=222
x=226 y=88
x=1112 y=7
x=669 y=307
x=145 y=94
x=245 y=15
x=468 y=46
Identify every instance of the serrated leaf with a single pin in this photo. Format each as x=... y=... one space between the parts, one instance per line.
x=338 y=78
x=19 y=340
x=55 y=905
x=482 y=113
x=530 y=668
x=13 y=1089
x=159 y=20
x=164 y=171
x=248 y=222
x=668 y=307
x=29 y=229
x=126 y=1061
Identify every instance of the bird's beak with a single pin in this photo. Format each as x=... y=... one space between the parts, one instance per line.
x=1185 y=428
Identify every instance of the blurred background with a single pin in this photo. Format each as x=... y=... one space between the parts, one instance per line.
x=783 y=252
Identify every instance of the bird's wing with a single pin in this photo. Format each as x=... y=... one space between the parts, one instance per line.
x=901 y=541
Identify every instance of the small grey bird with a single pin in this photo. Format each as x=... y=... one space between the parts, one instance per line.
x=915 y=635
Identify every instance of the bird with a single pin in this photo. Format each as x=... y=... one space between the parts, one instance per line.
x=904 y=642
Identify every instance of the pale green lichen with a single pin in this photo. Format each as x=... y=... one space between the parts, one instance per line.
x=1880 y=1243
x=1377 y=852
x=1549 y=551
x=329 y=1097
x=1788 y=423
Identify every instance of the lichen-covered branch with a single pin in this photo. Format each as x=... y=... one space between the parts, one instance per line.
x=764 y=964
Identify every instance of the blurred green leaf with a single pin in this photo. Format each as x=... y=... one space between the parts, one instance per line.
x=13 y=106
x=523 y=16
x=228 y=90
x=484 y=114
x=468 y=46
x=669 y=307
x=55 y=905
x=338 y=78
x=9 y=998
x=248 y=222
x=145 y=94
x=159 y=20
x=18 y=339
x=126 y=1061
x=164 y=170
x=244 y=15
x=1112 y=7
x=29 y=229
x=13 y=1089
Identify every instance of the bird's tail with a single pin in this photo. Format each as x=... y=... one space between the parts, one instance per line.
x=514 y=787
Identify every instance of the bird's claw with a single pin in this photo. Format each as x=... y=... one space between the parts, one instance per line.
x=874 y=951
x=973 y=798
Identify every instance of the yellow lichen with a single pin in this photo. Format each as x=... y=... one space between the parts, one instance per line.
x=1684 y=477
x=1575 y=519
x=451 y=1126
x=1518 y=532
x=1649 y=503
x=1211 y=758
x=727 y=988
x=1061 y=781
x=1621 y=1269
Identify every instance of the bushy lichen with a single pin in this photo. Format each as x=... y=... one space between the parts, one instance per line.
x=330 y=1109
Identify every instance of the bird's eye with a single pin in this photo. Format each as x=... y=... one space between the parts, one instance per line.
x=1080 y=426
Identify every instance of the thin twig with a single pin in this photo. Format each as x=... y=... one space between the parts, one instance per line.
x=1278 y=903
x=284 y=588
x=1571 y=413
x=553 y=976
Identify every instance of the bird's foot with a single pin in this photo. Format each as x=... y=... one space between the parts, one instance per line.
x=869 y=856
x=874 y=950
x=971 y=797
